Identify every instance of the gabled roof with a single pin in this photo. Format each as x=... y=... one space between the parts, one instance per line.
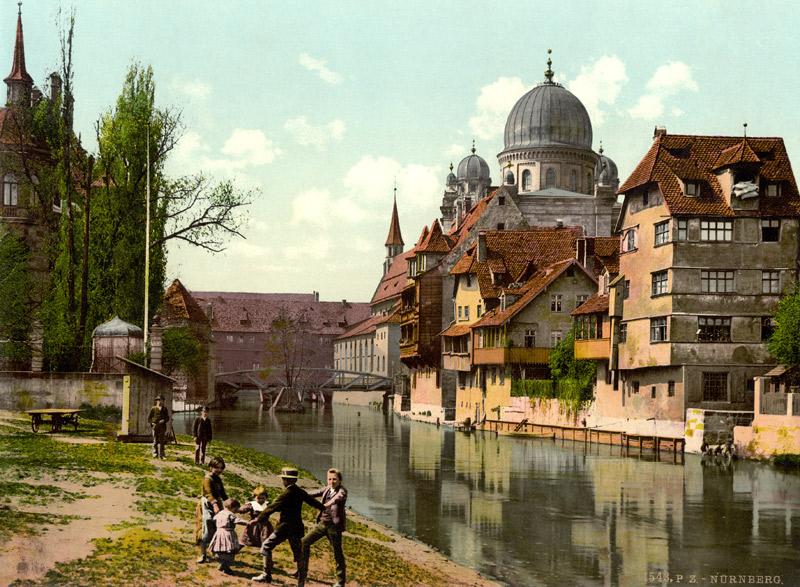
x=531 y=290
x=458 y=233
x=362 y=328
x=673 y=159
x=395 y=279
x=435 y=241
x=595 y=304
x=456 y=330
x=180 y=305
x=606 y=254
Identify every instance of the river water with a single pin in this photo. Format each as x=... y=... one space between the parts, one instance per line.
x=535 y=512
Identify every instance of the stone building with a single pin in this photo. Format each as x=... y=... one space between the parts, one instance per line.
x=709 y=242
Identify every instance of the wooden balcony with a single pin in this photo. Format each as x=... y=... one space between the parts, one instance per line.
x=593 y=348
x=456 y=362
x=511 y=355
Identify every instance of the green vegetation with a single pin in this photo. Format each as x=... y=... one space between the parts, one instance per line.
x=784 y=344
x=181 y=351
x=29 y=494
x=16 y=303
x=787 y=461
x=27 y=523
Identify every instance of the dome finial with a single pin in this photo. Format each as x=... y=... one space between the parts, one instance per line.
x=745 y=130
x=601 y=147
x=473 y=145
x=549 y=73
x=451 y=167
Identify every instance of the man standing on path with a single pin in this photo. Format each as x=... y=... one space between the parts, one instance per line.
x=289 y=526
x=201 y=431
x=158 y=418
x=331 y=522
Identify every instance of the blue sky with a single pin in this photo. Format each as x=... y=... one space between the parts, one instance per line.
x=322 y=106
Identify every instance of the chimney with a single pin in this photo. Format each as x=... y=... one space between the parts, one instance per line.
x=659 y=130
x=209 y=312
x=482 y=246
x=559 y=223
x=580 y=253
x=316 y=296
x=344 y=303
x=55 y=87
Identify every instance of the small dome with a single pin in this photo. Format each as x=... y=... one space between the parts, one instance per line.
x=548 y=116
x=116 y=327
x=605 y=171
x=451 y=177
x=473 y=167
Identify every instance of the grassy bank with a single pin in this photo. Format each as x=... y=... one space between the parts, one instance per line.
x=86 y=510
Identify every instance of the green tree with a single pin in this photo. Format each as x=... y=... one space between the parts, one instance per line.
x=16 y=300
x=784 y=344
x=573 y=378
x=181 y=351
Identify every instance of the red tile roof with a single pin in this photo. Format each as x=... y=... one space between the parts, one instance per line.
x=362 y=328
x=395 y=279
x=458 y=233
x=179 y=304
x=253 y=312
x=394 y=238
x=606 y=254
x=435 y=241
x=597 y=303
x=456 y=330
x=689 y=157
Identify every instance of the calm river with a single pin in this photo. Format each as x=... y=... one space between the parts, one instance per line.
x=534 y=512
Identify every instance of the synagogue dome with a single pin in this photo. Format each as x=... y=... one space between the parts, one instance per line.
x=473 y=167
x=605 y=170
x=548 y=116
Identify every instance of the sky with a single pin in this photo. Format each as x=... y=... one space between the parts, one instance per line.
x=322 y=108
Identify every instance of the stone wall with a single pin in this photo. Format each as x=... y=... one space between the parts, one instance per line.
x=25 y=390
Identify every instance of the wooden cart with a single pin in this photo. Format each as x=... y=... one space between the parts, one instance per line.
x=57 y=418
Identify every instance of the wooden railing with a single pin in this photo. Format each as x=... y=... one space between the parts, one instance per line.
x=506 y=355
x=593 y=348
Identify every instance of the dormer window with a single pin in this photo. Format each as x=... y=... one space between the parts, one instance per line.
x=773 y=190
x=692 y=189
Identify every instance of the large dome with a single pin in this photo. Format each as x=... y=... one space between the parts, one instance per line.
x=473 y=167
x=548 y=116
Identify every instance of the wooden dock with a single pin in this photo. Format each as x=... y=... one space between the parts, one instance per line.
x=639 y=442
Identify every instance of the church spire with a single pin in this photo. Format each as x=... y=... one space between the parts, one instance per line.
x=394 y=242
x=19 y=82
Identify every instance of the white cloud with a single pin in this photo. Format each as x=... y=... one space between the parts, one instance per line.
x=193 y=88
x=495 y=102
x=318 y=65
x=316 y=248
x=599 y=83
x=250 y=147
x=456 y=152
x=318 y=208
x=667 y=81
x=373 y=178
x=242 y=249
x=319 y=136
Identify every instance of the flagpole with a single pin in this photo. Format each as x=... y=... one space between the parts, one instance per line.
x=147 y=248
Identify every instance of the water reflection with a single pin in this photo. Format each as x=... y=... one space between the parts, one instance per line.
x=530 y=512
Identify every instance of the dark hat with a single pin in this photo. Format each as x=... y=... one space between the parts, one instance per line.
x=161 y=397
x=289 y=473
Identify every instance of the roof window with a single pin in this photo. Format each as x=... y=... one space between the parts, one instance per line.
x=691 y=189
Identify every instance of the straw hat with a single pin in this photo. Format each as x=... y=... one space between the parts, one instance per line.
x=289 y=473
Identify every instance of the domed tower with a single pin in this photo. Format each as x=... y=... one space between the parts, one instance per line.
x=605 y=172
x=606 y=179
x=470 y=184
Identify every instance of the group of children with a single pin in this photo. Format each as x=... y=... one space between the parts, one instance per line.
x=217 y=517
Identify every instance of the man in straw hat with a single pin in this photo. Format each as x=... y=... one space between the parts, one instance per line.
x=290 y=524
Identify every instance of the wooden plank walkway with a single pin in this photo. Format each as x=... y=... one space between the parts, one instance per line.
x=640 y=442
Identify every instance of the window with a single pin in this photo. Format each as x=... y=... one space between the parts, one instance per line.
x=715 y=387
x=773 y=190
x=653 y=392
x=502 y=375
x=658 y=329
x=626 y=289
x=530 y=338
x=460 y=312
x=660 y=280
x=589 y=183
x=623 y=333
x=551 y=178
x=770 y=282
x=526 y=181
x=573 y=181
x=671 y=389
x=555 y=303
x=580 y=299
x=713 y=329
x=555 y=338
x=683 y=229
x=501 y=201
x=636 y=387
x=770 y=230
x=468 y=279
x=662 y=233
x=716 y=230
x=767 y=328
x=479 y=313
x=10 y=190
x=466 y=312
x=462 y=380
x=692 y=188
x=629 y=241
x=501 y=226
x=230 y=338
x=716 y=281
x=494 y=375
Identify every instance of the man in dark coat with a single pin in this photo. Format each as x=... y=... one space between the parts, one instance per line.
x=158 y=418
x=201 y=431
x=290 y=524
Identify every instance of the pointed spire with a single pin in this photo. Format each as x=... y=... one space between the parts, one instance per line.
x=394 y=238
x=549 y=73
x=19 y=82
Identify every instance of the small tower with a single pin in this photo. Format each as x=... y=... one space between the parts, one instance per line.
x=394 y=242
x=19 y=83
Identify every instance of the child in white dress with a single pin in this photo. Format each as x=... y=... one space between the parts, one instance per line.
x=225 y=543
